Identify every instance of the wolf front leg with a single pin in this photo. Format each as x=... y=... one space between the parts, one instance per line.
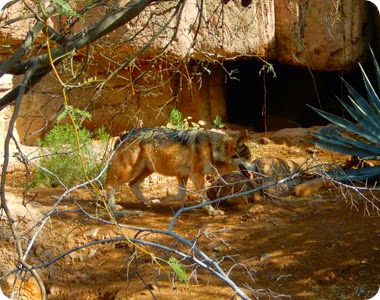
x=110 y=192
x=198 y=181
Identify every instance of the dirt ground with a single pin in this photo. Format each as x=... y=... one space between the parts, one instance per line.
x=326 y=246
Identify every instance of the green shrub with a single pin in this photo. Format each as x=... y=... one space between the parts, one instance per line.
x=176 y=121
x=60 y=155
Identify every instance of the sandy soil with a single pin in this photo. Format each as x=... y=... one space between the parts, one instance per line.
x=325 y=246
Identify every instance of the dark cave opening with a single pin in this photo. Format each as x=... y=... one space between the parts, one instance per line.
x=258 y=100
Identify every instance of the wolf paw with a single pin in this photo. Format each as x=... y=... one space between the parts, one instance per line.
x=129 y=212
x=116 y=207
x=214 y=212
x=147 y=203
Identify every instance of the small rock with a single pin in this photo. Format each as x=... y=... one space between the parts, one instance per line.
x=92 y=253
x=47 y=252
x=76 y=256
x=53 y=290
x=313 y=150
x=152 y=287
x=265 y=256
x=93 y=233
x=38 y=251
x=294 y=217
x=265 y=141
x=22 y=289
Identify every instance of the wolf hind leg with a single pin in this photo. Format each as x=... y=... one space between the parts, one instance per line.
x=198 y=181
x=135 y=186
x=121 y=170
x=180 y=196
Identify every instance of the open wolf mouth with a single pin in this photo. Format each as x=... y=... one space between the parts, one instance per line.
x=244 y=171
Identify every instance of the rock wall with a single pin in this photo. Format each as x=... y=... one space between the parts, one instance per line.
x=322 y=35
x=5 y=116
x=319 y=34
x=125 y=102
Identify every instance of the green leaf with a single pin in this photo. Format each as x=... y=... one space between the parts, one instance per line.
x=218 y=122
x=78 y=114
x=65 y=9
x=178 y=269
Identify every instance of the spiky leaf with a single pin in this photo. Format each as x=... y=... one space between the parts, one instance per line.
x=365 y=122
x=367 y=116
x=347 y=125
x=376 y=66
x=371 y=92
x=362 y=104
x=359 y=174
x=333 y=137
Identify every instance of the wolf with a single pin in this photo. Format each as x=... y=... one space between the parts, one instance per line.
x=231 y=184
x=181 y=153
x=269 y=170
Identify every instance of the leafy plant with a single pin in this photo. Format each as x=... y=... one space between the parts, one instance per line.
x=78 y=114
x=364 y=139
x=218 y=122
x=61 y=157
x=101 y=134
x=176 y=121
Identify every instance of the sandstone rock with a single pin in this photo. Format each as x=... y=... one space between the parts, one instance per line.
x=292 y=135
x=29 y=214
x=319 y=34
x=312 y=186
x=322 y=35
x=21 y=289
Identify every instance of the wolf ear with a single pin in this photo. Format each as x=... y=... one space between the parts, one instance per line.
x=242 y=149
x=243 y=137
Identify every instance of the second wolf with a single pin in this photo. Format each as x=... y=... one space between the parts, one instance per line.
x=181 y=153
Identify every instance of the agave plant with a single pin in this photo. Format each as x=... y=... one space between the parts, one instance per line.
x=365 y=131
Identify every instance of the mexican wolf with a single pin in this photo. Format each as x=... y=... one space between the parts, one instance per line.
x=181 y=153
